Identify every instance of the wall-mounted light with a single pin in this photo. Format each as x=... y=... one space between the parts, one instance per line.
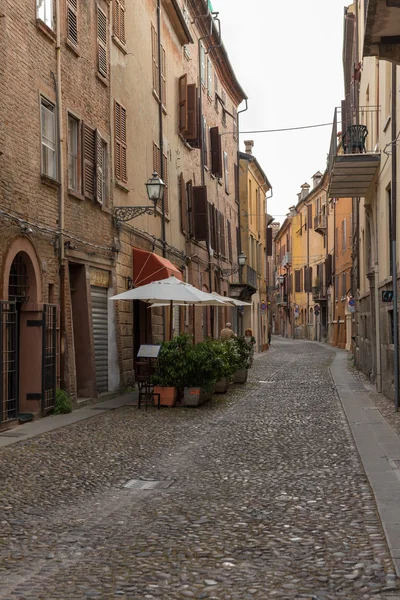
x=129 y=283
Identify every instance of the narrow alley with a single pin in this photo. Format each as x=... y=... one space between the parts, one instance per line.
x=268 y=498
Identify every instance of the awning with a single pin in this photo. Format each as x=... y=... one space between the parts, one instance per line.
x=149 y=267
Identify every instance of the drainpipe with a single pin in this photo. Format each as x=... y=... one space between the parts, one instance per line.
x=308 y=266
x=334 y=271
x=394 y=236
x=61 y=215
x=377 y=312
x=239 y=112
x=161 y=144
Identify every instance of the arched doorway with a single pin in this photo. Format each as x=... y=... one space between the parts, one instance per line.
x=27 y=337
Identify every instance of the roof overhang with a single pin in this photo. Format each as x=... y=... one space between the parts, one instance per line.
x=177 y=19
x=382 y=30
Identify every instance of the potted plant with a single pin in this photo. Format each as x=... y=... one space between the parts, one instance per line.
x=204 y=367
x=243 y=359
x=171 y=369
x=316 y=288
x=228 y=361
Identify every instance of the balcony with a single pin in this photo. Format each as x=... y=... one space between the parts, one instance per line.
x=251 y=277
x=320 y=224
x=319 y=293
x=287 y=259
x=282 y=300
x=382 y=29
x=354 y=157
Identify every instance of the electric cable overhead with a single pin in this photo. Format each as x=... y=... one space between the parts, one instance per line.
x=286 y=128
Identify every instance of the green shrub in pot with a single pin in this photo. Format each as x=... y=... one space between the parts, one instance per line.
x=241 y=353
x=204 y=365
x=172 y=362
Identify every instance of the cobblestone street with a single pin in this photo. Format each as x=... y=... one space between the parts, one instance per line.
x=269 y=499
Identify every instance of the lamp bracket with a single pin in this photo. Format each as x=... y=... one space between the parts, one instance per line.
x=227 y=272
x=127 y=213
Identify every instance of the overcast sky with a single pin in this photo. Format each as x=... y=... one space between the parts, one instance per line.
x=287 y=56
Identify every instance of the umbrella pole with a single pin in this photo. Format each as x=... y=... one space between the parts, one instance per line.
x=170 y=320
x=194 y=323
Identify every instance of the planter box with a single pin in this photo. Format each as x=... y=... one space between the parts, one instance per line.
x=168 y=395
x=240 y=376
x=222 y=386
x=196 y=396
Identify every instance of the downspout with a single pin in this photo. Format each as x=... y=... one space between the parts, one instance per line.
x=161 y=144
x=61 y=211
x=334 y=272
x=308 y=266
x=377 y=312
x=239 y=250
x=394 y=236
x=160 y=125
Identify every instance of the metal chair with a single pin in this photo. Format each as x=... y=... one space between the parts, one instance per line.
x=353 y=139
x=146 y=388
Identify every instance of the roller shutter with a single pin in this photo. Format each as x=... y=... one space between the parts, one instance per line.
x=100 y=336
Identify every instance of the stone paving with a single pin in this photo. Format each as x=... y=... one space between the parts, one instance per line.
x=269 y=499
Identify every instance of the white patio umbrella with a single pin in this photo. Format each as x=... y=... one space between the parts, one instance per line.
x=172 y=291
x=229 y=300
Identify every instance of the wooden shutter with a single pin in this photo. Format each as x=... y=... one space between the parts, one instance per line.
x=182 y=107
x=72 y=21
x=209 y=77
x=222 y=234
x=235 y=127
x=236 y=177
x=336 y=242
x=297 y=275
x=216 y=229
x=204 y=141
x=200 y=213
x=216 y=152
x=165 y=179
x=154 y=50
x=202 y=64
x=328 y=269
x=121 y=172
x=308 y=279
x=269 y=241
x=156 y=159
x=228 y=225
x=301 y=280
x=100 y=168
x=309 y=216
x=226 y=172
x=183 y=204
x=192 y=118
x=189 y=192
x=89 y=161
x=163 y=77
x=212 y=229
x=119 y=20
x=102 y=31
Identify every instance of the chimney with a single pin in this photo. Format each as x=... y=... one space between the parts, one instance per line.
x=305 y=188
x=249 y=146
x=292 y=211
x=317 y=179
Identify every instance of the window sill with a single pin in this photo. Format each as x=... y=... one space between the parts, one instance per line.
x=120 y=45
x=71 y=46
x=103 y=79
x=221 y=183
x=46 y=30
x=75 y=194
x=121 y=186
x=49 y=181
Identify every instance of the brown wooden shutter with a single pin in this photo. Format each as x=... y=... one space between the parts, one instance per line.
x=165 y=179
x=154 y=50
x=182 y=110
x=156 y=159
x=189 y=192
x=72 y=21
x=236 y=176
x=216 y=229
x=216 y=152
x=328 y=269
x=163 y=77
x=308 y=279
x=228 y=224
x=222 y=234
x=309 y=216
x=200 y=212
x=89 y=161
x=211 y=222
x=301 y=280
x=297 y=275
x=183 y=204
x=192 y=113
x=100 y=167
x=269 y=241
x=102 y=31
x=119 y=20
x=121 y=172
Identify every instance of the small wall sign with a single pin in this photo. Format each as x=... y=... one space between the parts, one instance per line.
x=387 y=296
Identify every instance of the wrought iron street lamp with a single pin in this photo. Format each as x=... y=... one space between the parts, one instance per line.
x=155 y=192
x=242 y=258
x=281 y=279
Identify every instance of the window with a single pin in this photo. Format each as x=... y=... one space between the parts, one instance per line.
x=216 y=93
x=187 y=109
x=120 y=145
x=72 y=21
x=344 y=235
x=119 y=20
x=160 y=94
x=209 y=77
x=223 y=98
x=344 y=285
x=154 y=51
x=73 y=154
x=204 y=144
x=94 y=169
x=226 y=172
x=48 y=131
x=102 y=31
x=390 y=227
x=235 y=127
x=45 y=12
x=203 y=64
x=101 y=170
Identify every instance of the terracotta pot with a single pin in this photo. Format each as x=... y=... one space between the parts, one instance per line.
x=168 y=395
x=222 y=386
x=240 y=376
x=196 y=396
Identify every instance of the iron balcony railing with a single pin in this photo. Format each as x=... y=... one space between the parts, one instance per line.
x=354 y=132
x=251 y=277
x=319 y=292
x=282 y=299
x=320 y=221
x=287 y=259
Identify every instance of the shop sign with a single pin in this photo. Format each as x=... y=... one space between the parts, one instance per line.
x=99 y=278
